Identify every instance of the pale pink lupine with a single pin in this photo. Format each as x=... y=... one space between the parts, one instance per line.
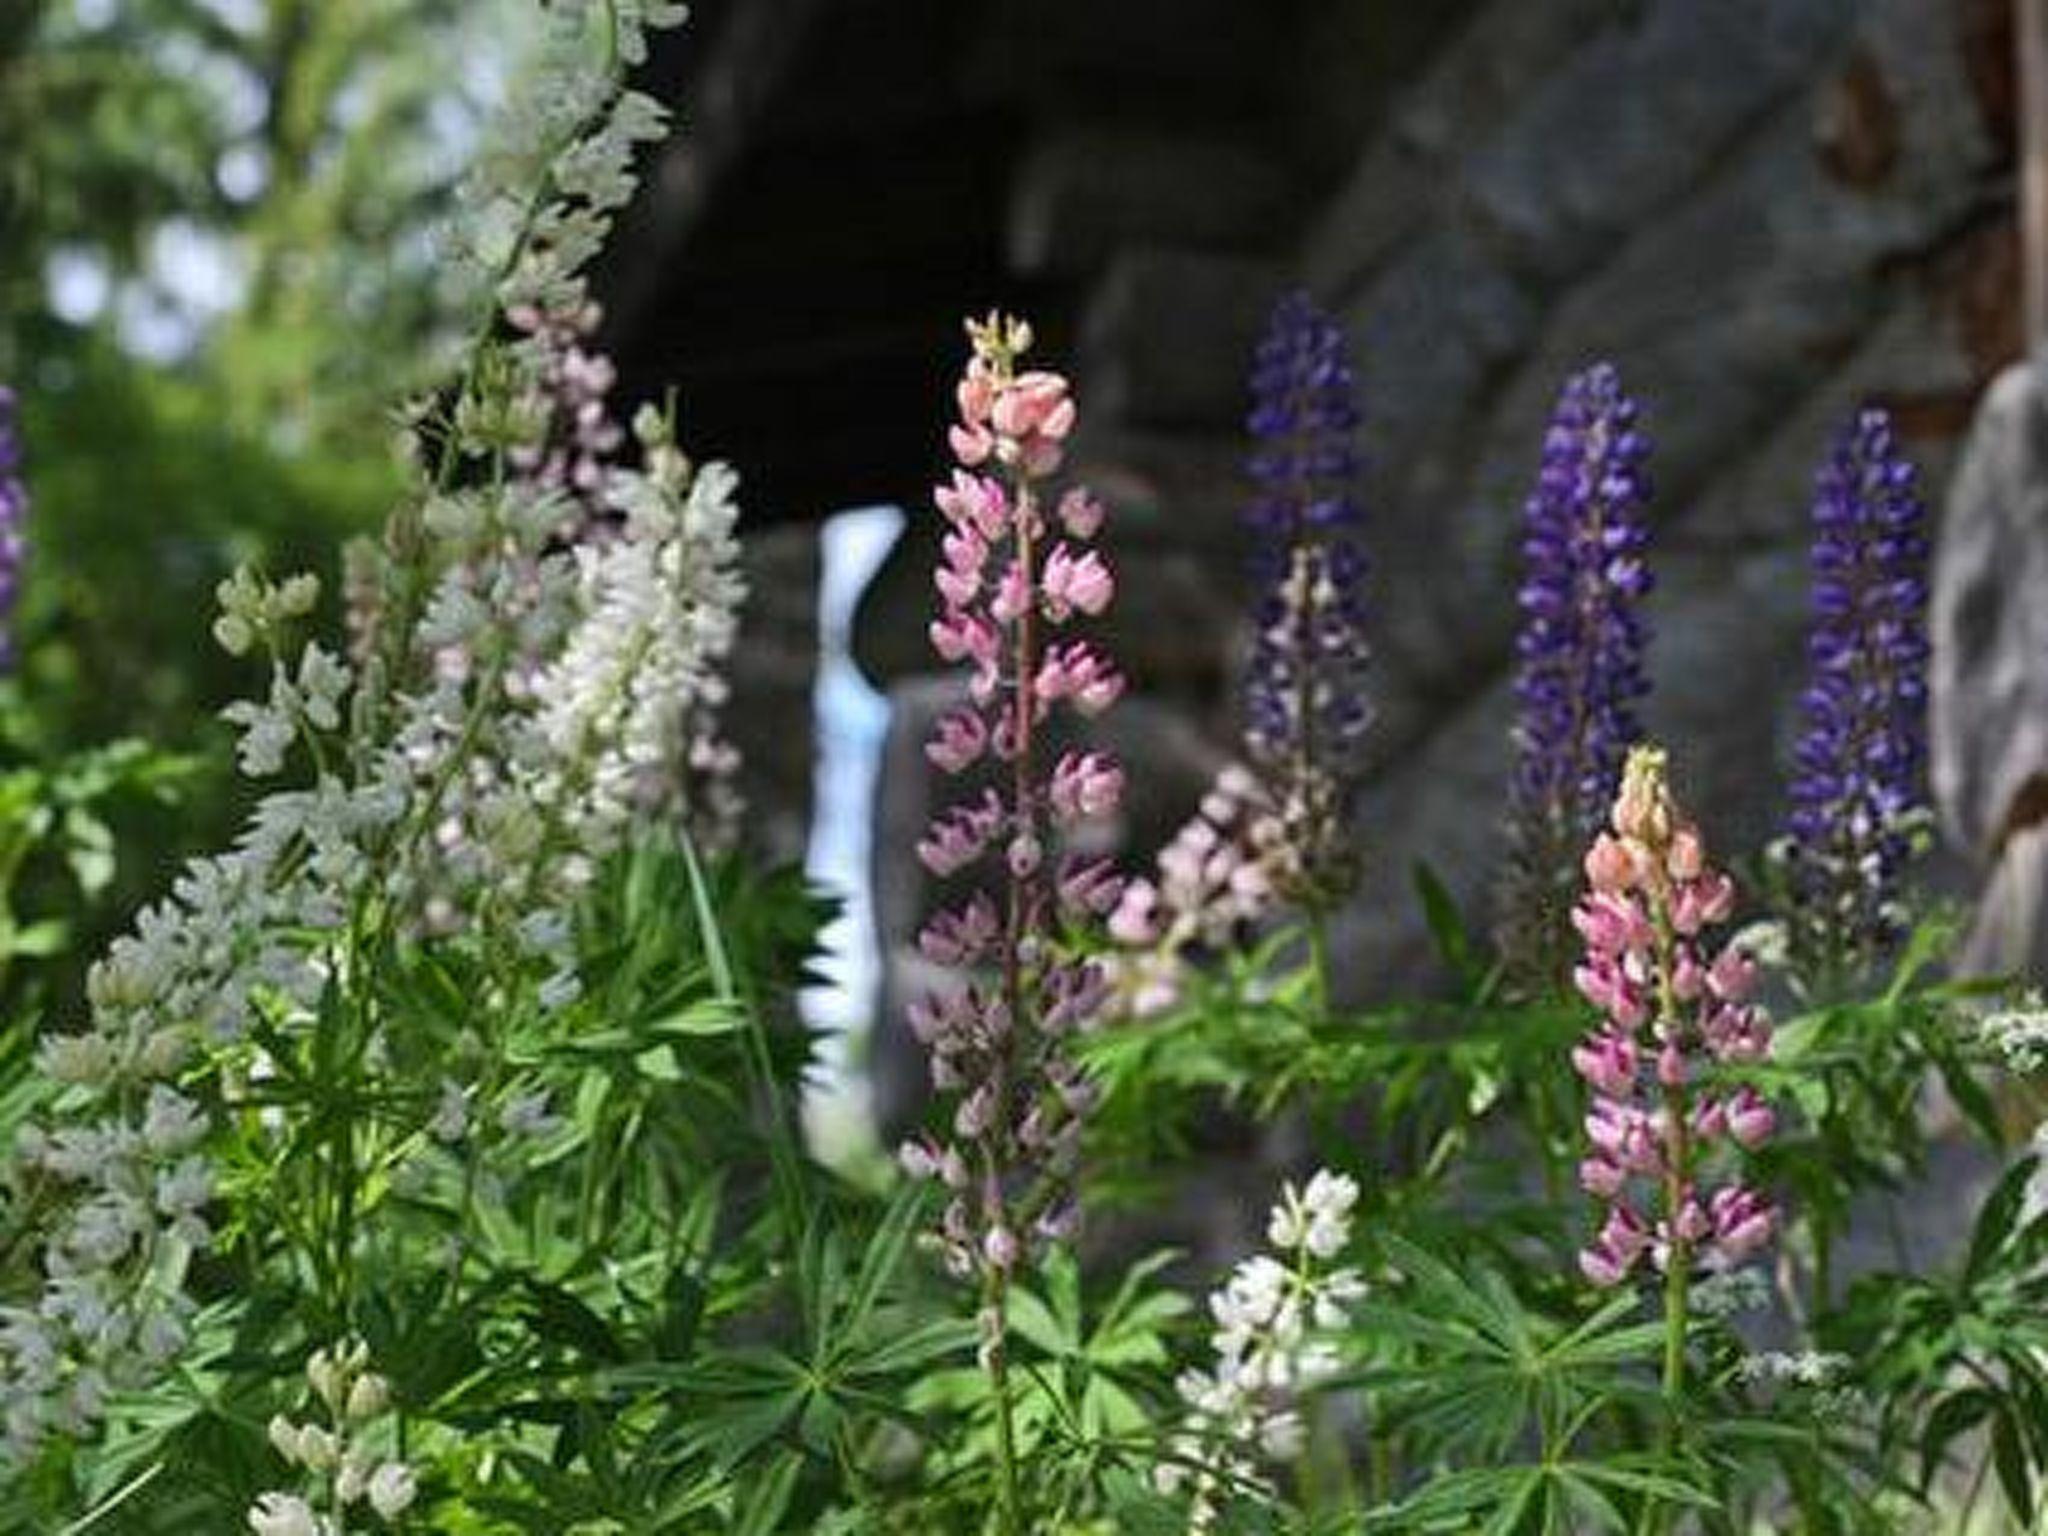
x=1213 y=879
x=1007 y=580
x=1673 y=1018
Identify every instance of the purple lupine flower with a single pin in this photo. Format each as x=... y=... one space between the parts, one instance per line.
x=1857 y=804
x=1015 y=570
x=13 y=520
x=1674 y=1012
x=1578 y=659
x=1306 y=705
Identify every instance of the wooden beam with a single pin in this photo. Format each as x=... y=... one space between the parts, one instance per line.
x=726 y=97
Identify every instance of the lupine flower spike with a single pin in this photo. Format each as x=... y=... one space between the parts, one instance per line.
x=1857 y=805
x=1017 y=570
x=1676 y=1013
x=1578 y=661
x=1211 y=881
x=1307 y=710
x=1274 y=1318
x=13 y=516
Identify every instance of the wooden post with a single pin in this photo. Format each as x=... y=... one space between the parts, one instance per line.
x=2030 y=35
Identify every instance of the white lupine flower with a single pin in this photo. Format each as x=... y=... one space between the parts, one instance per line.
x=369 y=1397
x=352 y=1478
x=284 y=1437
x=527 y=1115
x=171 y=1122
x=559 y=991
x=267 y=735
x=1283 y=1436
x=2019 y=1033
x=392 y=1488
x=628 y=714
x=1268 y=1316
x=88 y=1060
x=451 y=1119
x=319 y=1449
x=1807 y=1368
x=284 y=1514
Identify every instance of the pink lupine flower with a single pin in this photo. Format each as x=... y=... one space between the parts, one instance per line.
x=958 y=837
x=1078 y=672
x=1602 y=1176
x=1743 y=1222
x=971 y=445
x=962 y=937
x=1214 y=878
x=1080 y=514
x=1676 y=1016
x=1607 y=1061
x=1075 y=582
x=962 y=738
x=1085 y=784
x=1135 y=919
x=1750 y=1119
x=1090 y=887
x=995 y=1037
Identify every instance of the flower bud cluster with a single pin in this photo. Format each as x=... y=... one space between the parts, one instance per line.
x=1675 y=1012
x=1273 y=1320
x=1579 y=674
x=1017 y=568
x=341 y=1454
x=1212 y=881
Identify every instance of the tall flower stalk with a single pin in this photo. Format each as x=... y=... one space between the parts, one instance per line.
x=1307 y=709
x=1578 y=661
x=1857 y=801
x=1017 y=570
x=1676 y=1015
x=13 y=520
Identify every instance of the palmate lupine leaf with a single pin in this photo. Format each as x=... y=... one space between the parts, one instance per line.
x=1487 y=1374
x=852 y=1365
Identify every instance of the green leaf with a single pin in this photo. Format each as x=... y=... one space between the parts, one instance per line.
x=768 y=1502
x=1995 y=1222
x=2009 y=1455
x=1446 y=923
x=1953 y=1416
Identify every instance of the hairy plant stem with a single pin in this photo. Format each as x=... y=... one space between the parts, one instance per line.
x=1016 y=995
x=996 y=1353
x=1677 y=1173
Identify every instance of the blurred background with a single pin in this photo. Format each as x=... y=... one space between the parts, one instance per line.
x=218 y=275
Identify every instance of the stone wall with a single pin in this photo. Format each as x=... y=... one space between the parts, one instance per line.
x=1763 y=211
